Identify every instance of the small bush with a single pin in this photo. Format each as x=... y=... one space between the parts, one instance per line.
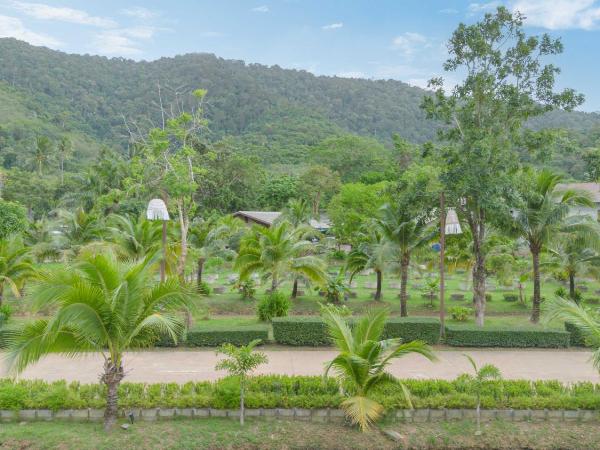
x=204 y=288
x=561 y=292
x=5 y=313
x=466 y=336
x=461 y=313
x=247 y=288
x=511 y=298
x=274 y=304
x=488 y=297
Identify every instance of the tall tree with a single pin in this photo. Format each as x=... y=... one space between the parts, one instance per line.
x=318 y=184
x=42 y=152
x=64 y=150
x=100 y=305
x=505 y=83
x=540 y=218
x=406 y=234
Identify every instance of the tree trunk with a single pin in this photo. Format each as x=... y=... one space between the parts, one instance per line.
x=113 y=374
x=535 y=312
x=521 y=299
x=242 y=404
x=572 y=285
x=274 y=283
x=316 y=204
x=403 y=282
x=295 y=288
x=184 y=223
x=379 y=282
x=199 y=270
x=1 y=293
x=476 y=221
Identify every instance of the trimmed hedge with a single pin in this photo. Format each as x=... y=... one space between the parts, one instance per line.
x=312 y=331
x=300 y=331
x=577 y=339
x=214 y=338
x=469 y=336
x=280 y=391
x=411 y=329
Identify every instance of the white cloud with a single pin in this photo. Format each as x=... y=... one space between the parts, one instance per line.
x=333 y=26
x=141 y=13
x=560 y=14
x=61 y=14
x=13 y=27
x=261 y=9
x=123 y=41
x=448 y=11
x=478 y=8
x=409 y=43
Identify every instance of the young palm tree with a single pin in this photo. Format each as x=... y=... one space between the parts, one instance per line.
x=101 y=305
x=77 y=228
x=487 y=372
x=279 y=251
x=373 y=252
x=576 y=253
x=360 y=365
x=133 y=238
x=15 y=265
x=297 y=212
x=65 y=149
x=406 y=234
x=541 y=216
x=209 y=240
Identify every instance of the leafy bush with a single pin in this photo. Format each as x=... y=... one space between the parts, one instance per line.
x=247 y=288
x=5 y=313
x=213 y=338
x=274 y=304
x=204 y=288
x=461 y=313
x=466 y=336
x=309 y=331
x=577 y=338
x=561 y=292
x=511 y=297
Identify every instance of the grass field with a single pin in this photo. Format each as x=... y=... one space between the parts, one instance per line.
x=259 y=434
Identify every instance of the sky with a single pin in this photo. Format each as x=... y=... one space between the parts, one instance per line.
x=379 y=39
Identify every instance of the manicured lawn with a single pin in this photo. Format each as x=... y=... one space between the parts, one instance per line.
x=260 y=434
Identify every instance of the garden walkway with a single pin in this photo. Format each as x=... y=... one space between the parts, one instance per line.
x=195 y=365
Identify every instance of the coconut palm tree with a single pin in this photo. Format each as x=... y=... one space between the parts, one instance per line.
x=40 y=239
x=576 y=252
x=541 y=215
x=372 y=252
x=361 y=364
x=77 y=229
x=297 y=212
x=208 y=239
x=278 y=251
x=100 y=305
x=15 y=265
x=132 y=237
x=406 y=234
x=43 y=149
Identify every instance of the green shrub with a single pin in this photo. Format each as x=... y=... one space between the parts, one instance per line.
x=511 y=297
x=412 y=329
x=309 y=331
x=471 y=336
x=247 y=288
x=488 y=297
x=204 y=288
x=461 y=313
x=577 y=338
x=561 y=292
x=5 y=313
x=214 y=338
x=274 y=304
x=592 y=301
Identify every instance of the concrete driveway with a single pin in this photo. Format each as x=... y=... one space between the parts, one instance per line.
x=195 y=365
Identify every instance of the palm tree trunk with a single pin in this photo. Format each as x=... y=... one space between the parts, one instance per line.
x=199 y=270
x=242 y=404
x=113 y=374
x=1 y=293
x=405 y=261
x=274 y=283
x=379 y=282
x=535 y=312
x=295 y=288
x=572 y=285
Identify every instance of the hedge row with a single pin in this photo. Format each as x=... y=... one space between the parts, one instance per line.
x=279 y=391
x=312 y=331
x=214 y=338
x=470 y=336
x=577 y=339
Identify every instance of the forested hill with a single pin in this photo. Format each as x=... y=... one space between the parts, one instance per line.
x=93 y=94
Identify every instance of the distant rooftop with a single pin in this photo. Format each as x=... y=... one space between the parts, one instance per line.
x=267 y=218
x=592 y=188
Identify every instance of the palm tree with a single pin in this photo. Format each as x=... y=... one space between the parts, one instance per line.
x=77 y=228
x=65 y=148
x=576 y=252
x=278 y=251
x=40 y=239
x=373 y=252
x=209 y=240
x=133 y=238
x=297 y=212
x=101 y=305
x=406 y=234
x=487 y=372
x=15 y=265
x=43 y=147
x=540 y=217
x=360 y=365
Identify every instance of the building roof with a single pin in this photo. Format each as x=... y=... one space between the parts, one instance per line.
x=591 y=188
x=265 y=217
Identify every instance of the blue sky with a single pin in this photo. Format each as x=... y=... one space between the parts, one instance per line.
x=400 y=39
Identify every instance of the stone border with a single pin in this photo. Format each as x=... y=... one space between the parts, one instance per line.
x=310 y=415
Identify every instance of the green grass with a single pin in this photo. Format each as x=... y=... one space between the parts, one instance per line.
x=261 y=434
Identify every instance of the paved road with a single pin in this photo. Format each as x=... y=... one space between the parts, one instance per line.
x=194 y=365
